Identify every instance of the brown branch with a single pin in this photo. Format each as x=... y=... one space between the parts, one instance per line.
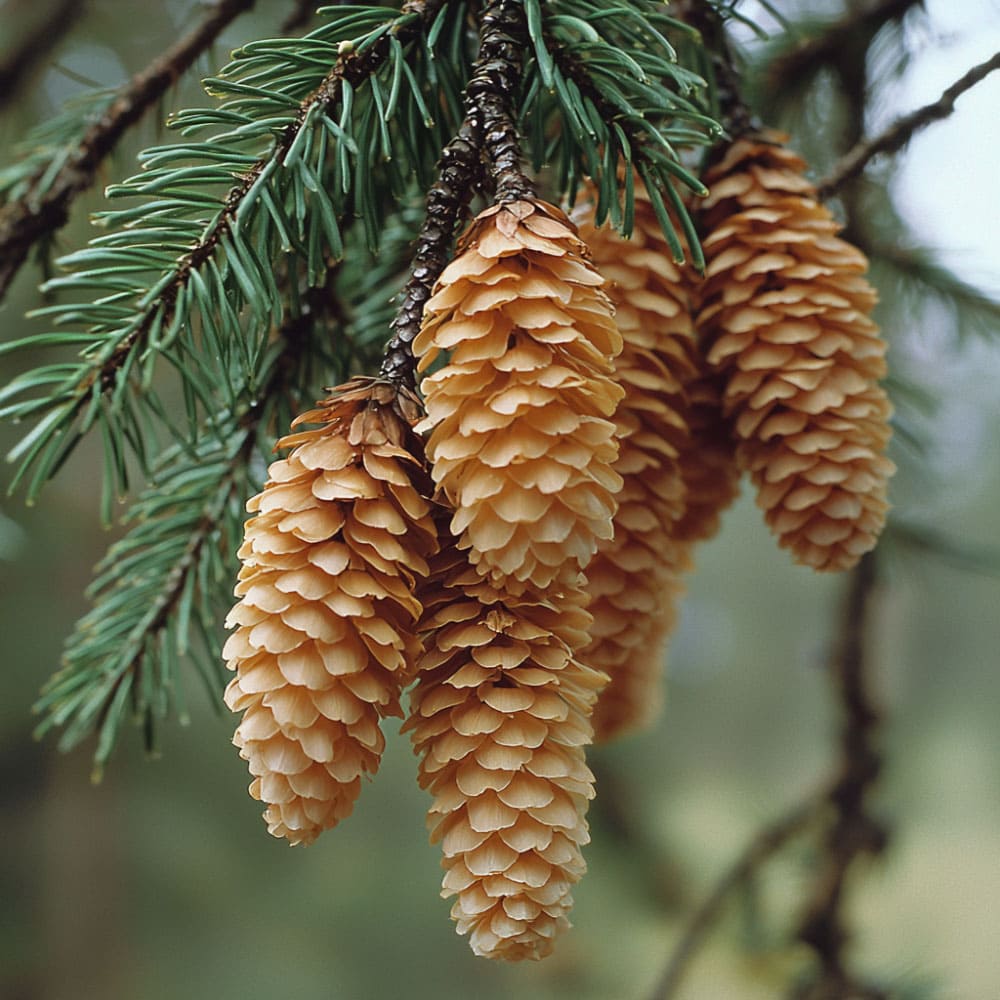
x=47 y=33
x=765 y=843
x=487 y=131
x=32 y=218
x=854 y=831
x=353 y=68
x=897 y=135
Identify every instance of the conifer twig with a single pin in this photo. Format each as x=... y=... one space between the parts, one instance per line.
x=31 y=218
x=104 y=368
x=488 y=130
x=854 y=830
x=491 y=94
x=42 y=39
x=764 y=844
x=897 y=135
x=734 y=113
x=78 y=709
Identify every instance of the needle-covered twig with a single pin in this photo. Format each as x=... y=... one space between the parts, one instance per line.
x=30 y=218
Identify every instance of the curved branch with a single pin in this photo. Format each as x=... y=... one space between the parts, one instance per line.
x=897 y=135
x=854 y=831
x=31 y=218
x=763 y=846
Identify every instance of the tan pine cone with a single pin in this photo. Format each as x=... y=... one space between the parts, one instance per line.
x=521 y=436
x=635 y=577
x=499 y=719
x=325 y=636
x=785 y=312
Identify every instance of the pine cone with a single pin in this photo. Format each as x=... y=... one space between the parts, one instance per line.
x=325 y=635
x=634 y=579
x=499 y=719
x=519 y=415
x=785 y=312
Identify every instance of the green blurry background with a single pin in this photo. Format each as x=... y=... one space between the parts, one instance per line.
x=162 y=881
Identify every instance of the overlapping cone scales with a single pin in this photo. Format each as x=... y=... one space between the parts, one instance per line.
x=785 y=310
x=499 y=720
x=521 y=436
x=634 y=579
x=324 y=637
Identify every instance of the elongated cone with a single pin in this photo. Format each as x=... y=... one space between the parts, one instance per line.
x=634 y=580
x=519 y=415
x=325 y=636
x=785 y=310
x=499 y=719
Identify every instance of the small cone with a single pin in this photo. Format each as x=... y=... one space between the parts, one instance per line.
x=499 y=720
x=785 y=312
x=521 y=436
x=325 y=638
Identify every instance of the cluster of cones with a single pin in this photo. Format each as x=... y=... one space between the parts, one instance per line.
x=521 y=576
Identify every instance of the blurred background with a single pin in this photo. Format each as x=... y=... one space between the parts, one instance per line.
x=162 y=882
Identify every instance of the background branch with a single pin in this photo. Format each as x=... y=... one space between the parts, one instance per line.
x=35 y=45
x=857 y=27
x=29 y=219
x=900 y=132
x=854 y=830
x=764 y=844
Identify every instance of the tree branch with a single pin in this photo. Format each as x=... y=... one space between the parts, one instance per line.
x=864 y=20
x=488 y=130
x=854 y=831
x=763 y=846
x=897 y=135
x=47 y=33
x=32 y=218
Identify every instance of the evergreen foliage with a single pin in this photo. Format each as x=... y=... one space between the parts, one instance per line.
x=317 y=151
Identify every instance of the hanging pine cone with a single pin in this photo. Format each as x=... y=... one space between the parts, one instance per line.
x=634 y=580
x=785 y=310
x=519 y=416
x=325 y=636
x=499 y=719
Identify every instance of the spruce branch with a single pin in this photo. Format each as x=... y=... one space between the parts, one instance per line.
x=626 y=103
x=212 y=258
x=854 y=830
x=489 y=132
x=446 y=201
x=897 y=135
x=161 y=589
x=721 y=62
x=763 y=845
x=38 y=212
x=492 y=92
